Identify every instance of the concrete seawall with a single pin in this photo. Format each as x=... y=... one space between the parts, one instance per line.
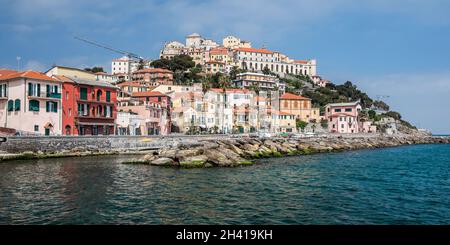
x=55 y=144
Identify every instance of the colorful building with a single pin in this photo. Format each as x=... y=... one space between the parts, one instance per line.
x=89 y=106
x=343 y=117
x=300 y=107
x=153 y=76
x=30 y=102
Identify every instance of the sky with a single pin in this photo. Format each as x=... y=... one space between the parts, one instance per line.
x=399 y=49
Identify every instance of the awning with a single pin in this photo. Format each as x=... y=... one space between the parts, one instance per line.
x=48 y=125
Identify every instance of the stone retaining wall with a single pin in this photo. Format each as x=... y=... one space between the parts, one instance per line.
x=54 y=144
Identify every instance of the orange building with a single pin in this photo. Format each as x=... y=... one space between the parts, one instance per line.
x=299 y=106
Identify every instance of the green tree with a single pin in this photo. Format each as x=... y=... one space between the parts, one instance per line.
x=266 y=71
x=301 y=124
x=94 y=69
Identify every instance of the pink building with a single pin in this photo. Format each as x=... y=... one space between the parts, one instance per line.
x=343 y=117
x=153 y=109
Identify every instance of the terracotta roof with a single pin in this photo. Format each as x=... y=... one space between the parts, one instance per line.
x=254 y=50
x=28 y=74
x=147 y=94
x=279 y=112
x=219 y=50
x=289 y=96
x=153 y=70
x=5 y=72
x=129 y=83
x=301 y=61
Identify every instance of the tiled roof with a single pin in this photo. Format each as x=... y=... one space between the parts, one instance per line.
x=301 y=61
x=4 y=72
x=153 y=70
x=87 y=82
x=28 y=74
x=254 y=50
x=289 y=96
x=147 y=94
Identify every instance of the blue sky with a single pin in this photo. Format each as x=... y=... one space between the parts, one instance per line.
x=397 y=48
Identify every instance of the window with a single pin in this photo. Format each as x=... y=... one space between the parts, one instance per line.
x=33 y=105
x=83 y=93
x=3 y=90
x=51 y=106
x=337 y=110
x=34 y=89
x=108 y=96
x=10 y=105
x=342 y=125
x=17 y=105
x=70 y=112
x=67 y=95
x=99 y=95
x=36 y=128
x=348 y=109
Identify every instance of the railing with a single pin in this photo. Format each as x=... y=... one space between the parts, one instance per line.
x=54 y=95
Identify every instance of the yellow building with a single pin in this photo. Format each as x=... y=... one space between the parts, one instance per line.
x=299 y=106
x=71 y=73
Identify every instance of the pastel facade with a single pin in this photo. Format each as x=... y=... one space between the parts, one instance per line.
x=71 y=72
x=300 y=107
x=153 y=76
x=343 y=117
x=30 y=102
x=253 y=59
x=235 y=42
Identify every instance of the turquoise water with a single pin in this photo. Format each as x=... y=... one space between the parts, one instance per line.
x=402 y=185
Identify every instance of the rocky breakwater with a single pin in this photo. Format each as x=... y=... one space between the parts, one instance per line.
x=243 y=151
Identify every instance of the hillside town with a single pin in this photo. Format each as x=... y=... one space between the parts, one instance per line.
x=197 y=87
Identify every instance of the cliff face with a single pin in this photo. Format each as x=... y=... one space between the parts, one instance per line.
x=243 y=151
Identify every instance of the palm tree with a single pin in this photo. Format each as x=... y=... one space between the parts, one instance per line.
x=224 y=83
x=257 y=89
x=205 y=87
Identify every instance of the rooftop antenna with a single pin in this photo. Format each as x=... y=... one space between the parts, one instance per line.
x=18 y=62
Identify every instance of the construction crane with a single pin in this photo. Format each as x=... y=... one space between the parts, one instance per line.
x=130 y=55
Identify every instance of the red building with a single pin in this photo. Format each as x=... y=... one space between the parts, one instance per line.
x=89 y=107
x=153 y=76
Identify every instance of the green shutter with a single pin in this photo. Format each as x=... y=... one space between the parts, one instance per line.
x=17 y=105
x=83 y=93
x=47 y=106
x=39 y=90
x=34 y=105
x=10 y=105
x=108 y=96
x=30 y=89
x=48 y=90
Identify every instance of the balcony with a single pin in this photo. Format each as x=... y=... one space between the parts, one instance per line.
x=54 y=95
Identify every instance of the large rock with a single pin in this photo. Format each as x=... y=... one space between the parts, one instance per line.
x=218 y=158
x=194 y=161
x=163 y=161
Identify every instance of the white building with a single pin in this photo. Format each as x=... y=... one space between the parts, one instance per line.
x=253 y=59
x=105 y=77
x=124 y=65
x=171 y=49
x=264 y=82
x=234 y=42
